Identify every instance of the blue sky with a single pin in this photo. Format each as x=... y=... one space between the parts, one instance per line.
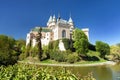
x=102 y=17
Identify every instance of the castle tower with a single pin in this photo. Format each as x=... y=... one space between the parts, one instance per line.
x=54 y=19
x=49 y=21
x=70 y=21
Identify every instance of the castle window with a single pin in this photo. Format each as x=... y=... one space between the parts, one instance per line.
x=63 y=34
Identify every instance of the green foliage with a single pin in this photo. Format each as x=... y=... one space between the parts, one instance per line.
x=26 y=51
x=50 y=45
x=64 y=56
x=80 y=42
x=53 y=45
x=20 y=45
x=45 y=53
x=34 y=51
x=93 y=53
x=60 y=56
x=115 y=49
x=22 y=56
x=66 y=43
x=8 y=55
x=93 y=56
x=29 y=52
x=32 y=72
x=72 y=58
x=103 y=48
x=114 y=53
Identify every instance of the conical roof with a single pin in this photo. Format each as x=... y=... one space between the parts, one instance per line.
x=54 y=19
x=50 y=19
x=70 y=20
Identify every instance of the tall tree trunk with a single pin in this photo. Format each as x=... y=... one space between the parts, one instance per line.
x=39 y=43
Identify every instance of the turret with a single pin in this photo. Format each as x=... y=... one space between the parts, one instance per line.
x=54 y=19
x=50 y=20
x=70 y=21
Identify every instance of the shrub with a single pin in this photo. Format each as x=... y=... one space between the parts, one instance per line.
x=32 y=72
x=60 y=56
x=53 y=44
x=72 y=58
x=22 y=56
x=103 y=48
x=34 y=51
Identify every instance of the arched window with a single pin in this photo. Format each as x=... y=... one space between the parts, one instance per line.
x=63 y=34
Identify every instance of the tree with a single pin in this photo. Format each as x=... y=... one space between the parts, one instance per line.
x=115 y=52
x=39 y=43
x=80 y=42
x=103 y=48
x=20 y=45
x=7 y=53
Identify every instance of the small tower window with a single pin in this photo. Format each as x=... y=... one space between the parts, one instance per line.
x=63 y=34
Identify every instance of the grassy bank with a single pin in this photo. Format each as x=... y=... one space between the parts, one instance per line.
x=50 y=62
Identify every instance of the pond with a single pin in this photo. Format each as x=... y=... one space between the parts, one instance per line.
x=102 y=72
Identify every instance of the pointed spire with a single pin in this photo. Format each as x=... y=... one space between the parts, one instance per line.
x=70 y=20
x=50 y=19
x=54 y=19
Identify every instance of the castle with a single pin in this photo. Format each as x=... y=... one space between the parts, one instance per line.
x=55 y=29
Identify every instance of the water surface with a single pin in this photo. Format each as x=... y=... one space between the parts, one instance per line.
x=101 y=72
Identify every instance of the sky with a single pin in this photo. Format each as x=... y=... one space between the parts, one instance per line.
x=102 y=17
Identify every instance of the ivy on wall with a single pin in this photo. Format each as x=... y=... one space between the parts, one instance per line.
x=53 y=44
x=66 y=43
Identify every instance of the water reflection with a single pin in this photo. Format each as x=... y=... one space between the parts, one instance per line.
x=116 y=71
x=105 y=72
x=99 y=72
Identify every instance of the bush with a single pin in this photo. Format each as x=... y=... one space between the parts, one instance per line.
x=34 y=51
x=53 y=44
x=103 y=48
x=22 y=56
x=60 y=56
x=7 y=53
x=32 y=72
x=72 y=58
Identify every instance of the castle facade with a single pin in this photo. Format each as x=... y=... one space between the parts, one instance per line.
x=55 y=29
